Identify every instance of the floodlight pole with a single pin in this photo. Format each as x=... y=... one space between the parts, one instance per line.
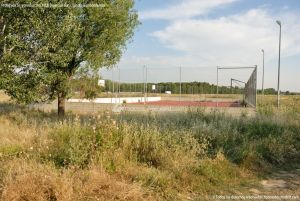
x=119 y=86
x=113 y=84
x=217 y=86
x=217 y=80
x=278 y=82
x=263 y=75
x=144 y=84
x=147 y=83
x=180 y=81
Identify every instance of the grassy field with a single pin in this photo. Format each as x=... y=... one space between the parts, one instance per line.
x=189 y=155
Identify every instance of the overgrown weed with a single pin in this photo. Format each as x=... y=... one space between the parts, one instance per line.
x=134 y=156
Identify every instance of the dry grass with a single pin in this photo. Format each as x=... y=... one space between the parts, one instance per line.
x=180 y=156
x=29 y=180
x=96 y=184
x=12 y=134
x=3 y=97
x=288 y=112
x=98 y=159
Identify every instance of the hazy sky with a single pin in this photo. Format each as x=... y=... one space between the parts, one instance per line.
x=202 y=34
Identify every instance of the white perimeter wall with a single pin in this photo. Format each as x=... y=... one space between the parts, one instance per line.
x=116 y=100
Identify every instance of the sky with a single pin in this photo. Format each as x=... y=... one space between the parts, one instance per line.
x=199 y=35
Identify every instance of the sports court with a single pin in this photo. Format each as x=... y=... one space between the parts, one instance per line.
x=191 y=103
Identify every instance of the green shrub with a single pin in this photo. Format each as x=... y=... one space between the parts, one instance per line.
x=270 y=139
x=10 y=151
x=217 y=170
x=266 y=110
x=72 y=145
x=159 y=149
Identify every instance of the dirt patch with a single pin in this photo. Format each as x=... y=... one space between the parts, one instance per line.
x=281 y=183
x=271 y=183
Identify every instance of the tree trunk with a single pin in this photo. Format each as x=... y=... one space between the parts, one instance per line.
x=61 y=105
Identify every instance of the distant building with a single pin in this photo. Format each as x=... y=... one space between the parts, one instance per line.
x=101 y=83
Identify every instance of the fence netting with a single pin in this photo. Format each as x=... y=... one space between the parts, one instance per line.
x=181 y=81
x=175 y=80
x=251 y=90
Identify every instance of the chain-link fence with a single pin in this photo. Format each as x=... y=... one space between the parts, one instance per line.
x=251 y=90
x=168 y=80
x=165 y=87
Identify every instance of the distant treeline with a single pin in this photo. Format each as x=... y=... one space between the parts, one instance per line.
x=271 y=91
x=174 y=87
x=186 y=88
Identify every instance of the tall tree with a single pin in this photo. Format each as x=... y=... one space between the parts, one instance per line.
x=43 y=47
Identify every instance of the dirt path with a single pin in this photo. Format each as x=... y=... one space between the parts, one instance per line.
x=283 y=184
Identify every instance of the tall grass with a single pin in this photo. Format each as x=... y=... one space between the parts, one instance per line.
x=134 y=156
x=238 y=138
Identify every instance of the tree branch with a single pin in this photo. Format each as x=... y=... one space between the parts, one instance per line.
x=3 y=29
x=4 y=46
x=11 y=49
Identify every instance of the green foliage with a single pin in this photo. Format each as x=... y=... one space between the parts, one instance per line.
x=90 y=94
x=10 y=151
x=72 y=146
x=85 y=86
x=42 y=48
x=270 y=91
x=237 y=138
x=174 y=87
x=266 y=110
x=149 y=146
x=217 y=171
x=173 y=156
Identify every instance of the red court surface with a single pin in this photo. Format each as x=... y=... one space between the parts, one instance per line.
x=191 y=103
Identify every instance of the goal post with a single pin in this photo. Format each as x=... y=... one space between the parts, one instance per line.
x=250 y=91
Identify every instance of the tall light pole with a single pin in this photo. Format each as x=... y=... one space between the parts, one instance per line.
x=146 y=84
x=113 y=85
x=263 y=76
x=217 y=86
x=278 y=84
x=119 y=85
x=144 y=90
x=180 y=83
